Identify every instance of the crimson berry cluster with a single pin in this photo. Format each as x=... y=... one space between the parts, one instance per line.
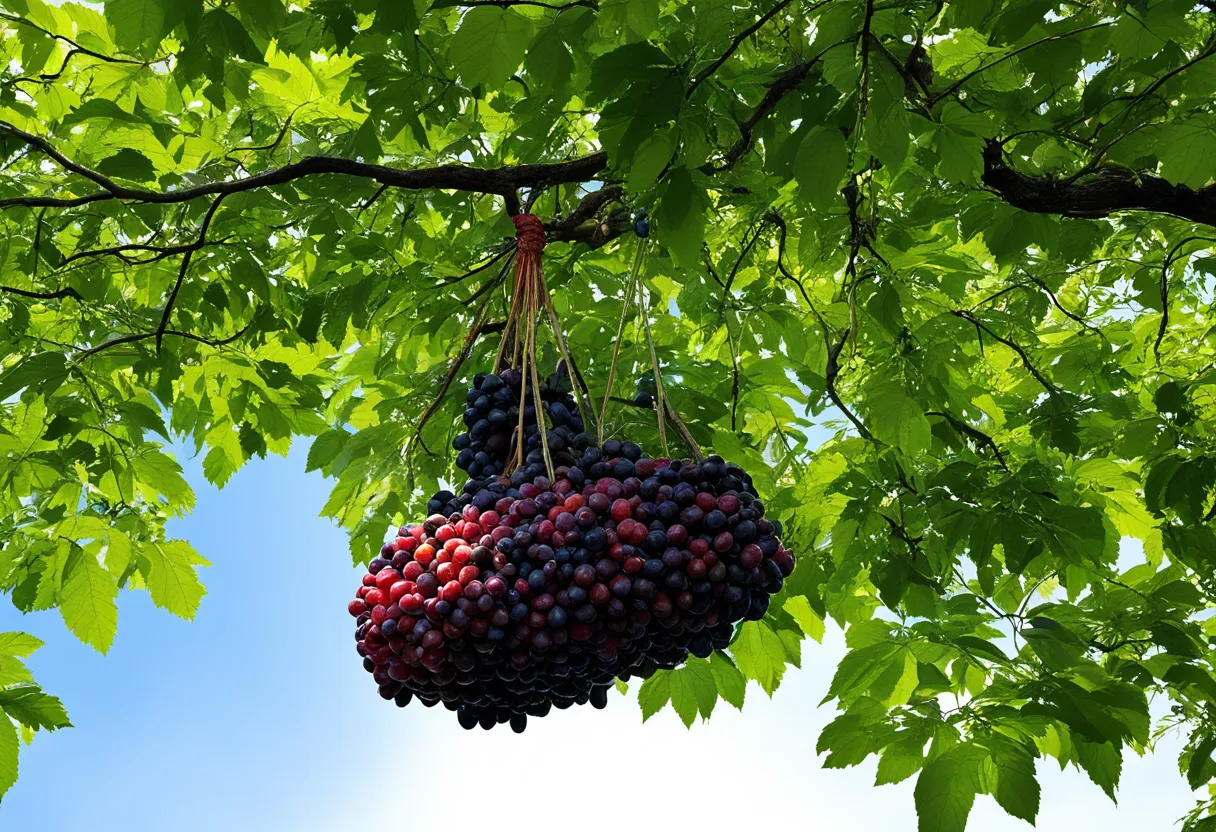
x=527 y=593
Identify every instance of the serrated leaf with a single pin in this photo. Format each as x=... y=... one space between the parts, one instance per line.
x=86 y=600
x=31 y=707
x=490 y=45
x=172 y=577
x=946 y=789
x=20 y=645
x=654 y=694
x=9 y=746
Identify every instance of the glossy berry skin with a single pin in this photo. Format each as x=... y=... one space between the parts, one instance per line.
x=531 y=591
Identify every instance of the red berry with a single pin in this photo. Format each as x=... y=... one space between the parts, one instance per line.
x=374 y=597
x=706 y=501
x=445 y=533
x=728 y=504
x=621 y=510
x=399 y=589
x=599 y=594
x=411 y=603
x=424 y=554
x=446 y=572
x=751 y=556
x=467 y=575
x=452 y=590
x=471 y=513
x=379 y=613
x=724 y=541
x=356 y=608
x=405 y=544
x=699 y=546
x=696 y=569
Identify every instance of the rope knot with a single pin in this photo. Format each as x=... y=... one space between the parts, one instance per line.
x=529 y=233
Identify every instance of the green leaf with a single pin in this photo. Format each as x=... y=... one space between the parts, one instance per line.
x=172 y=578
x=137 y=23
x=1187 y=153
x=30 y=706
x=680 y=216
x=654 y=693
x=800 y=608
x=489 y=45
x=20 y=645
x=897 y=419
x=128 y=164
x=9 y=746
x=901 y=759
x=959 y=156
x=1017 y=790
x=729 y=681
x=820 y=166
x=760 y=655
x=86 y=600
x=1103 y=762
x=946 y=789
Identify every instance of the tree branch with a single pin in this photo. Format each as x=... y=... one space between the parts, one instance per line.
x=738 y=39
x=973 y=433
x=1013 y=345
x=501 y=181
x=785 y=83
x=26 y=293
x=1107 y=190
x=181 y=274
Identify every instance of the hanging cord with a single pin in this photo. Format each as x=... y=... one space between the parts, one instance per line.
x=660 y=398
x=639 y=261
x=526 y=302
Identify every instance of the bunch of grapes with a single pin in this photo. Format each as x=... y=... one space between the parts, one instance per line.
x=533 y=593
x=492 y=417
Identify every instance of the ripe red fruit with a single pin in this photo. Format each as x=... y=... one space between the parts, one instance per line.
x=398 y=589
x=411 y=603
x=599 y=594
x=496 y=587
x=785 y=561
x=728 y=504
x=699 y=546
x=705 y=501
x=445 y=533
x=379 y=613
x=451 y=591
x=621 y=510
x=374 y=597
x=424 y=554
x=696 y=569
x=724 y=541
x=471 y=513
x=751 y=556
x=468 y=574
x=574 y=502
x=406 y=544
x=356 y=608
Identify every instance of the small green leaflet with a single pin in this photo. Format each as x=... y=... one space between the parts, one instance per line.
x=654 y=694
x=172 y=578
x=1103 y=762
x=86 y=600
x=760 y=654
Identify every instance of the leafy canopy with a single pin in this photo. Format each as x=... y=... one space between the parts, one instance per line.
x=975 y=237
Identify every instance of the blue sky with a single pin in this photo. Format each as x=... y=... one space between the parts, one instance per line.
x=257 y=716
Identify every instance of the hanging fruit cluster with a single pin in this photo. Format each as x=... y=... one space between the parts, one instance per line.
x=565 y=562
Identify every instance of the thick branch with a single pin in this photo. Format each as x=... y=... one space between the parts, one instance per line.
x=68 y=292
x=1108 y=189
x=972 y=433
x=502 y=181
